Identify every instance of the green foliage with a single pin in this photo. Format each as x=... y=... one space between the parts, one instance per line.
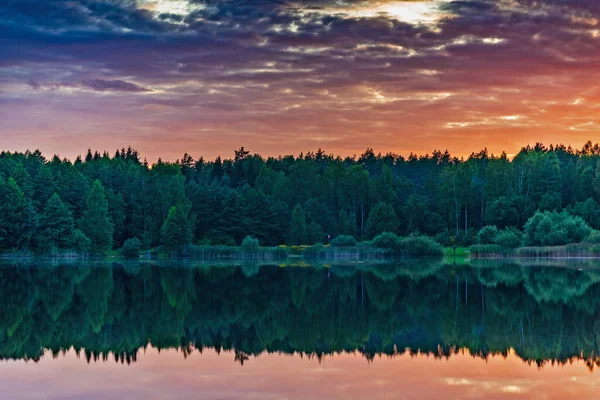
x=550 y=202
x=218 y=239
x=478 y=250
x=131 y=248
x=81 y=242
x=56 y=225
x=250 y=244
x=487 y=234
x=248 y=195
x=315 y=251
x=509 y=238
x=12 y=214
x=386 y=240
x=593 y=238
x=589 y=210
x=555 y=229
x=509 y=211
x=420 y=246
x=460 y=252
x=343 y=241
x=176 y=232
x=298 y=229
x=95 y=222
x=382 y=218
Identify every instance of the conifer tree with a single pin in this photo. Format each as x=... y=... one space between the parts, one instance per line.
x=177 y=229
x=24 y=180
x=12 y=213
x=56 y=225
x=298 y=228
x=95 y=222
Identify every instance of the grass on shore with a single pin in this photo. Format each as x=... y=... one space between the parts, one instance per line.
x=461 y=252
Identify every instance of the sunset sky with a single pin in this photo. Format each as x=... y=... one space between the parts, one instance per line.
x=285 y=76
x=281 y=377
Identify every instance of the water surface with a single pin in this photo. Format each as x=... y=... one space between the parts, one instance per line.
x=188 y=330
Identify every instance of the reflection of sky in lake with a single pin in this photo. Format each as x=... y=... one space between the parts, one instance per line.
x=272 y=377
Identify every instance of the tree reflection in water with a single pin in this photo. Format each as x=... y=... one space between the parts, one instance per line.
x=547 y=314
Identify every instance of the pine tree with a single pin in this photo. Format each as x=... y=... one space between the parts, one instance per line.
x=56 y=225
x=12 y=213
x=31 y=225
x=95 y=222
x=177 y=229
x=596 y=182
x=23 y=179
x=44 y=186
x=298 y=228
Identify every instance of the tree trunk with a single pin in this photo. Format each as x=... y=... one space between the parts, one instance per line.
x=481 y=224
x=362 y=219
x=466 y=216
x=456 y=206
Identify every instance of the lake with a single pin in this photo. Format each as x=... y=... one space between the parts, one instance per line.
x=411 y=330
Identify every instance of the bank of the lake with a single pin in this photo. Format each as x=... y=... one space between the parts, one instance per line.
x=573 y=250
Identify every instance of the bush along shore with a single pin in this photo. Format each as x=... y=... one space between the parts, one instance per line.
x=548 y=234
x=344 y=247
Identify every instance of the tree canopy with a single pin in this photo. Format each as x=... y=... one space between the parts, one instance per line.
x=289 y=199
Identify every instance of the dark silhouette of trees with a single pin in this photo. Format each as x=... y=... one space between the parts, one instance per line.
x=293 y=199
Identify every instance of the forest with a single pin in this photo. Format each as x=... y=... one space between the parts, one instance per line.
x=542 y=196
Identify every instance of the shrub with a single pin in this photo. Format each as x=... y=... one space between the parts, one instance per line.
x=467 y=238
x=487 y=234
x=593 y=238
x=445 y=238
x=215 y=238
x=250 y=243
x=343 y=241
x=131 y=248
x=420 y=246
x=386 y=240
x=551 y=228
x=509 y=238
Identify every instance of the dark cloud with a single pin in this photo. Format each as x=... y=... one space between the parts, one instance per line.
x=116 y=85
x=100 y=85
x=265 y=66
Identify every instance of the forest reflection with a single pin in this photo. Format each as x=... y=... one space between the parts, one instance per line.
x=547 y=314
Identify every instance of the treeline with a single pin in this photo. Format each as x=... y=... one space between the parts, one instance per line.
x=429 y=308
x=99 y=201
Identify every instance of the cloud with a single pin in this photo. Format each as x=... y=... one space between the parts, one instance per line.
x=114 y=85
x=306 y=70
x=99 y=85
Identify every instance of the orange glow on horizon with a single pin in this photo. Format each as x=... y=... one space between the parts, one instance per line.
x=273 y=376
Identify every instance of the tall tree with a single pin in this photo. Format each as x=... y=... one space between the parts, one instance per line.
x=12 y=213
x=95 y=222
x=298 y=228
x=56 y=225
x=178 y=228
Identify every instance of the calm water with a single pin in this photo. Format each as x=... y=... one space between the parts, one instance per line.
x=191 y=331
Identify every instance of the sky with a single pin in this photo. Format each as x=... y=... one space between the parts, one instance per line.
x=289 y=76
x=283 y=377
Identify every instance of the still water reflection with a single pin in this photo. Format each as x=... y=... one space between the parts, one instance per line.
x=295 y=332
